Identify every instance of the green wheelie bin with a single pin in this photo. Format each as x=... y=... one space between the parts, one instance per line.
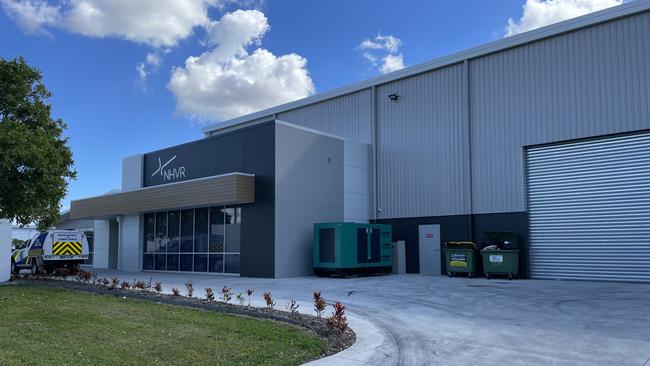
x=501 y=255
x=461 y=258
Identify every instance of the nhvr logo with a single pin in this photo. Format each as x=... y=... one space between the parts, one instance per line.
x=171 y=173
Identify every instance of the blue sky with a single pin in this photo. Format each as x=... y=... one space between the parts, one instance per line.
x=113 y=110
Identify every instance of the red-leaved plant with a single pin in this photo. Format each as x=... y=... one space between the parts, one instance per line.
x=140 y=285
x=189 y=288
x=319 y=304
x=338 y=320
x=125 y=285
x=269 y=300
x=158 y=287
x=209 y=294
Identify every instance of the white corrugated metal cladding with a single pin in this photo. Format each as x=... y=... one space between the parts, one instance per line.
x=453 y=144
x=589 y=209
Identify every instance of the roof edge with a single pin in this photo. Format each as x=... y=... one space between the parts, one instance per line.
x=591 y=19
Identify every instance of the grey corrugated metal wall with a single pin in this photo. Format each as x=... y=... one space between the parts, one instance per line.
x=589 y=211
x=590 y=82
x=348 y=116
x=423 y=161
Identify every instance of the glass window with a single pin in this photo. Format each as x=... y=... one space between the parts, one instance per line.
x=172 y=262
x=200 y=230
x=173 y=231
x=90 y=237
x=149 y=225
x=215 y=263
x=216 y=230
x=186 y=262
x=161 y=232
x=147 y=261
x=200 y=262
x=193 y=240
x=160 y=262
x=233 y=229
x=187 y=231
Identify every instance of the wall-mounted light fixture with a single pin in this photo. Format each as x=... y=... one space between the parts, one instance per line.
x=394 y=97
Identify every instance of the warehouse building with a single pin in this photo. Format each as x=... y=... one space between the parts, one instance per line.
x=546 y=133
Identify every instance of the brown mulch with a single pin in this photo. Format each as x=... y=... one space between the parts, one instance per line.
x=335 y=340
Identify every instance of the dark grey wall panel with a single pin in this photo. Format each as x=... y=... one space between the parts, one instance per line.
x=590 y=82
x=249 y=150
x=457 y=228
x=423 y=157
x=347 y=116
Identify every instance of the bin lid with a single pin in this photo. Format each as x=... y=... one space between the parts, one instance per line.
x=500 y=237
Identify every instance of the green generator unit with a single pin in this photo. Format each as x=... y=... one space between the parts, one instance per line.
x=348 y=248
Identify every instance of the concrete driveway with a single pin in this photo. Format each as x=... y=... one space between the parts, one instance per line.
x=421 y=320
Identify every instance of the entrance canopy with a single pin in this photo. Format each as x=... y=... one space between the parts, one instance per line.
x=225 y=189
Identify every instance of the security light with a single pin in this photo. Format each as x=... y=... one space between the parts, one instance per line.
x=394 y=97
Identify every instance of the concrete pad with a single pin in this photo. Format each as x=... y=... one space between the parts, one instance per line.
x=424 y=320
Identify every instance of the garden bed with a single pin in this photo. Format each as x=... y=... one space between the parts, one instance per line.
x=335 y=339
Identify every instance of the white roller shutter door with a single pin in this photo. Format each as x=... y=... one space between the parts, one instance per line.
x=589 y=209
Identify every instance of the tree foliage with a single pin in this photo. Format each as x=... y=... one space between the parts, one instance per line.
x=35 y=160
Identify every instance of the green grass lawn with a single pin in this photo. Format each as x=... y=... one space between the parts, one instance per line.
x=49 y=326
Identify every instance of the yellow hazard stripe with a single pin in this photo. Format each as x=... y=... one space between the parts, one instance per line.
x=66 y=248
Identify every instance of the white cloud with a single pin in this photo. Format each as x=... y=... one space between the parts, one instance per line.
x=380 y=42
x=31 y=15
x=228 y=81
x=157 y=23
x=392 y=63
x=151 y=64
x=538 y=13
x=385 y=49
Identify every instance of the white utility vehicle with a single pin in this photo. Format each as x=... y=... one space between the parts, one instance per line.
x=49 y=250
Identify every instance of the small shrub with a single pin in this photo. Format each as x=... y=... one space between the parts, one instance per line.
x=140 y=285
x=189 y=288
x=104 y=282
x=64 y=272
x=269 y=300
x=114 y=282
x=209 y=294
x=292 y=307
x=94 y=278
x=83 y=276
x=125 y=285
x=240 y=298
x=249 y=292
x=319 y=304
x=176 y=292
x=158 y=287
x=226 y=294
x=338 y=320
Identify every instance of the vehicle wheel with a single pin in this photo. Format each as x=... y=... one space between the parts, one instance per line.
x=34 y=269
x=510 y=277
x=470 y=275
x=14 y=269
